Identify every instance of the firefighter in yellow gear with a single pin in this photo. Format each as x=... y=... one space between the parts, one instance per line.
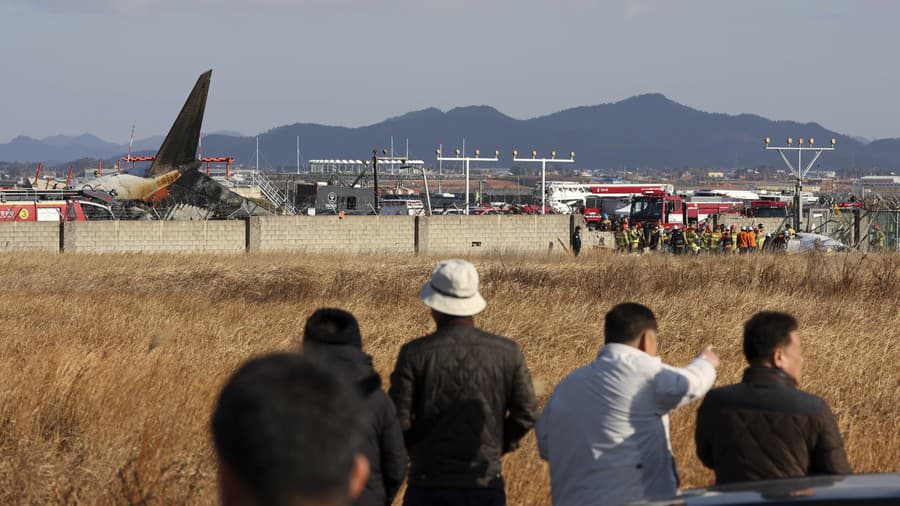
x=713 y=237
x=634 y=238
x=621 y=239
x=692 y=239
x=876 y=239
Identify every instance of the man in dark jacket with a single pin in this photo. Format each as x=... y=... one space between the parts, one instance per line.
x=333 y=336
x=464 y=397
x=765 y=427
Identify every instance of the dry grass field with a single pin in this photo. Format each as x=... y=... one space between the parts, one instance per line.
x=111 y=364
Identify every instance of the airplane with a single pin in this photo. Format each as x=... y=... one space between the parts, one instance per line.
x=177 y=155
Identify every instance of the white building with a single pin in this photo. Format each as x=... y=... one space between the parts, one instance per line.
x=338 y=166
x=886 y=186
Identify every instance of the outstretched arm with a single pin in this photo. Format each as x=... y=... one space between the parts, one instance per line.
x=675 y=387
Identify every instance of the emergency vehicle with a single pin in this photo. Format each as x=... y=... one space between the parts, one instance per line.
x=671 y=210
x=54 y=205
x=566 y=196
x=767 y=209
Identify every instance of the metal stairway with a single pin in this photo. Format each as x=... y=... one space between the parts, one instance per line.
x=271 y=192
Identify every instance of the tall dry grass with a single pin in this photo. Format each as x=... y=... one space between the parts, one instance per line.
x=111 y=364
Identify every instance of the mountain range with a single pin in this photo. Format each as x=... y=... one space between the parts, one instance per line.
x=644 y=131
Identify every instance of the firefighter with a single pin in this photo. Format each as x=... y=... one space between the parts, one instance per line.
x=727 y=242
x=713 y=238
x=621 y=239
x=876 y=239
x=692 y=239
x=656 y=234
x=761 y=237
x=734 y=238
x=677 y=241
x=634 y=239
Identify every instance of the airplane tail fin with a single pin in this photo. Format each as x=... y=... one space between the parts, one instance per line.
x=179 y=150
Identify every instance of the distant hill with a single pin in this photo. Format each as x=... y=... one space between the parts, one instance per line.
x=645 y=131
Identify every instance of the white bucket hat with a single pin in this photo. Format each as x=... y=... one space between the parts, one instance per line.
x=453 y=289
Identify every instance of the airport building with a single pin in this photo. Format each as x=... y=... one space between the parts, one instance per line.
x=885 y=186
x=391 y=167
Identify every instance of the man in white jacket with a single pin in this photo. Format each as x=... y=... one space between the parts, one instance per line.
x=605 y=429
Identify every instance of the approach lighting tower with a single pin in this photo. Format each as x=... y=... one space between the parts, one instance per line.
x=543 y=162
x=799 y=172
x=375 y=159
x=462 y=158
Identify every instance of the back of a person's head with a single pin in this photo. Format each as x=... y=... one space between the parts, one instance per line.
x=626 y=322
x=332 y=326
x=765 y=332
x=288 y=431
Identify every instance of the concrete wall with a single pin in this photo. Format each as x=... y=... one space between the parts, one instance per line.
x=330 y=234
x=440 y=235
x=591 y=239
x=494 y=234
x=154 y=237
x=29 y=236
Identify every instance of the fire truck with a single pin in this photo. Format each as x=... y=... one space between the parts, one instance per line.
x=767 y=209
x=27 y=204
x=671 y=210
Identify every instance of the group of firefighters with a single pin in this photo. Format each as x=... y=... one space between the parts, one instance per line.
x=709 y=239
x=695 y=240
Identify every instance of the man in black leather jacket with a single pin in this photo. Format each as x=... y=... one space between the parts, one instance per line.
x=464 y=397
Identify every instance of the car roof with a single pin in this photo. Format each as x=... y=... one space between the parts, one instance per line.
x=850 y=489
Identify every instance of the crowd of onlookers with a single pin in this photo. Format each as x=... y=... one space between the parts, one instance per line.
x=316 y=427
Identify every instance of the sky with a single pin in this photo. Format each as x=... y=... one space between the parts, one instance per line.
x=98 y=66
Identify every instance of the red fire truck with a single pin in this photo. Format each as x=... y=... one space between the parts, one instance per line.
x=26 y=204
x=607 y=198
x=671 y=210
x=767 y=209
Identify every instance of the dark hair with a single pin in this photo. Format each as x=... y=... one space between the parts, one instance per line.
x=626 y=322
x=289 y=429
x=332 y=326
x=765 y=332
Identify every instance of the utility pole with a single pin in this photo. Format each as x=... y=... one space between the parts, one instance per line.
x=461 y=158
x=543 y=162
x=799 y=172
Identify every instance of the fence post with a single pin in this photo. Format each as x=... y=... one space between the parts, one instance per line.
x=416 y=235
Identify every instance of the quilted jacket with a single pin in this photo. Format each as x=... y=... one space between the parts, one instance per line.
x=765 y=428
x=464 y=398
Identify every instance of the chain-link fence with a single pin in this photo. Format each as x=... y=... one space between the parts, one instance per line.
x=855 y=227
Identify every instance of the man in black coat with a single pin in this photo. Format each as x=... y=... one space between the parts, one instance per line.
x=333 y=336
x=463 y=396
x=765 y=427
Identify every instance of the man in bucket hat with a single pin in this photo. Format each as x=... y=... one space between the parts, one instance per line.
x=464 y=397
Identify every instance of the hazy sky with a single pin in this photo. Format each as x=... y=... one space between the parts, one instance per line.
x=74 y=66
